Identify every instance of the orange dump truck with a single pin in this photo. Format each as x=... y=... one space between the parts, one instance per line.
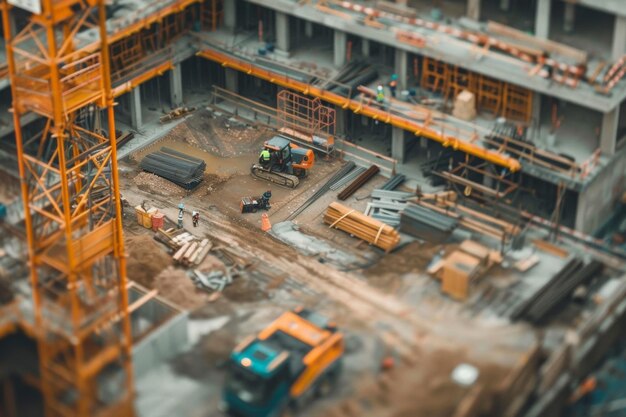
x=294 y=359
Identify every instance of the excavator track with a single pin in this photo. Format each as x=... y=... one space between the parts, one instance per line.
x=279 y=178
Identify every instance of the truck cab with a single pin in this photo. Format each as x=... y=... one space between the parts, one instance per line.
x=290 y=361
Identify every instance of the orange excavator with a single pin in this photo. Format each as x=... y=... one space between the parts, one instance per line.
x=294 y=359
x=287 y=162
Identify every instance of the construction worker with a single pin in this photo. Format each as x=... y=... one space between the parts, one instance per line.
x=265 y=199
x=180 y=219
x=393 y=85
x=265 y=158
x=380 y=95
x=195 y=218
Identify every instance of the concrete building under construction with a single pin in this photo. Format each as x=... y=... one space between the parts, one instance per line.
x=478 y=255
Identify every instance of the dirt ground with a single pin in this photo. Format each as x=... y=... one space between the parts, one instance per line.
x=278 y=277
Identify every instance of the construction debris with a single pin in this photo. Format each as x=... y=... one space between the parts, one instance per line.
x=177 y=114
x=183 y=170
x=362 y=226
x=214 y=280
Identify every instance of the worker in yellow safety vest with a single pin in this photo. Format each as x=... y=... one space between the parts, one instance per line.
x=380 y=95
x=265 y=157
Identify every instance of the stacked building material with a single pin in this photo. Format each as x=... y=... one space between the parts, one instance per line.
x=465 y=106
x=558 y=289
x=386 y=206
x=346 y=179
x=342 y=172
x=214 y=280
x=426 y=224
x=362 y=226
x=183 y=170
x=393 y=182
x=359 y=182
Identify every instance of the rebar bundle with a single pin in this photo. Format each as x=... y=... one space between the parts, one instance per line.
x=179 y=168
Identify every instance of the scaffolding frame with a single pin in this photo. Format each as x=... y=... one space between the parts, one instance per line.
x=494 y=96
x=70 y=190
x=304 y=116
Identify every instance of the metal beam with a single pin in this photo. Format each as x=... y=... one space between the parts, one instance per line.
x=359 y=107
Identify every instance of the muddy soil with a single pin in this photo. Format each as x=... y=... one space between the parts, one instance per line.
x=387 y=273
x=424 y=388
x=281 y=278
x=146 y=259
x=175 y=285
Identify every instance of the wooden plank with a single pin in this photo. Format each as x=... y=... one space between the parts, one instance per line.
x=550 y=248
x=580 y=57
x=178 y=255
x=364 y=227
x=399 y=9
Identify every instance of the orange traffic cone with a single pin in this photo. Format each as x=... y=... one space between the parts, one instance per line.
x=265 y=223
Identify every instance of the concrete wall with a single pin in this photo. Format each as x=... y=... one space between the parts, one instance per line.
x=597 y=200
x=165 y=330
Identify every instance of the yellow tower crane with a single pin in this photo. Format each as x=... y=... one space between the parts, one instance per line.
x=58 y=62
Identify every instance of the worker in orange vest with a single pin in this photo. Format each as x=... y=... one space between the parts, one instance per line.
x=393 y=85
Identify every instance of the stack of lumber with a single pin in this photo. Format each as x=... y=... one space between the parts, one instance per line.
x=361 y=226
x=173 y=238
x=188 y=249
x=183 y=170
x=192 y=252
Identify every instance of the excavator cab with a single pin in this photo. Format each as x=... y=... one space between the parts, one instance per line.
x=288 y=162
x=295 y=357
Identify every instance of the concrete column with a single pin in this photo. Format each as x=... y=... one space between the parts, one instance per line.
x=176 y=86
x=608 y=134
x=308 y=29
x=136 y=112
x=473 y=9
x=536 y=110
x=619 y=38
x=365 y=47
x=340 y=121
x=232 y=80
x=505 y=5
x=282 y=32
x=542 y=19
x=230 y=14
x=569 y=17
x=402 y=68
x=398 y=144
x=340 y=48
